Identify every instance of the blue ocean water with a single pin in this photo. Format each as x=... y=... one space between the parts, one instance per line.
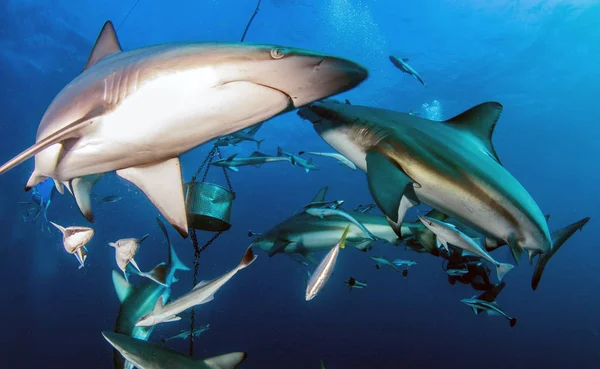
x=538 y=58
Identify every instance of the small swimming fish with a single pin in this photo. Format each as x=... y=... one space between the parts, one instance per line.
x=339 y=157
x=324 y=269
x=457 y=272
x=384 y=261
x=354 y=283
x=74 y=240
x=327 y=212
x=186 y=334
x=407 y=263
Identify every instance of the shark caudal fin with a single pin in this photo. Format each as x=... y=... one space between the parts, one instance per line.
x=247 y=259
x=513 y=321
x=226 y=361
x=558 y=239
x=502 y=269
x=258 y=142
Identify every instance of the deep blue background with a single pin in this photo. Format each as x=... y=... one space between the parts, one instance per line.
x=538 y=58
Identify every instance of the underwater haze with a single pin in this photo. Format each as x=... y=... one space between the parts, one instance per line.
x=539 y=59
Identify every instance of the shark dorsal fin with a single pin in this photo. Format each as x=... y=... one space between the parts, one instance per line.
x=200 y=284
x=480 y=122
x=106 y=44
x=159 y=304
x=122 y=287
x=320 y=196
x=231 y=157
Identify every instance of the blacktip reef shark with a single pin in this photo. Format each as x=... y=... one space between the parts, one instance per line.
x=138 y=300
x=451 y=166
x=307 y=165
x=491 y=308
x=447 y=233
x=146 y=355
x=402 y=64
x=135 y=112
x=202 y=293
x=304 y=234
x=339 y=157
x=74 y=240
x=240 y=136
x=325 y=268
x=255 y=159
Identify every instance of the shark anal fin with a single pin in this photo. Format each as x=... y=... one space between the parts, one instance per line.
x=161 y=182
x=390 y=187
x=480 y=121
x=69 y=131
x=106 y=44
x=81 y=191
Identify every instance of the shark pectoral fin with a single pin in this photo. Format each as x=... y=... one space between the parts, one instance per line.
x=226 y=361
x=278 y=246
x=81 y=191
x=161 y=182
x=515 y=249
x=558 y=239
x=60 y=187
x=479 y=121
x=171 y=318
x=390 y=187
x=122 y=287
x=106 y=44
x=234 y=169
x=475 y=310
x=158 y=274
x=362 y=245
x=69 y=131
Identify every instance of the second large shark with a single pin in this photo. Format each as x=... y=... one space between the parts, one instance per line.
x=135 y=112
x=451 y=166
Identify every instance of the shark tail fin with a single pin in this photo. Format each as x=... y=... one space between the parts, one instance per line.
x=258 y=142
x=558 y=239
x=502 y=269
x=248 y=258
x=158 y=274
x=144 y=237
x=174 y=263
x=513 y=321
x=226 y=361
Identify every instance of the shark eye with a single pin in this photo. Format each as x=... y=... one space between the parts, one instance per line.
x=277 y=53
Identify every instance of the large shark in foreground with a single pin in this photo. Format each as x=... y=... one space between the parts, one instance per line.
x=139 y=300
x=451 y=166
x=146 y=355
x=135 y=112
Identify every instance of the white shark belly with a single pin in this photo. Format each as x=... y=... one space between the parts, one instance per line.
x=165 y=121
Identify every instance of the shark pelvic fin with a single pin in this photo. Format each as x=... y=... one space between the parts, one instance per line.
x=278 y=246
x=226 y=361
x=69 y=131
x=81 y=191
x=480 y=121
x=161 y=182
x=106 y=44
x=390 y=187
x=515 y=249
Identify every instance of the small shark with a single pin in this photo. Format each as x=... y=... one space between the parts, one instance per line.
x=240 y=136
x=186 y=334
x=325 y=268
x=490 y=307
x=447 y=233
x=402 y=64
x=328 y=212
x=74 y=240
x=202 y=293
x=135 y=112
x=303 y=233
x=256 y=159
x=138 y=300
x=296 y=160
x=339 y=157
x=384 y=261
x=451 y=166
x=125 y=251
x=146 y=355
x=355 y=283
x=407 y=263
x=365 y=208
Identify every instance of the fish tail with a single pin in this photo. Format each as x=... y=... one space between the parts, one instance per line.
x=513 y=321
x=248 y=258
x=342 y=242
x=502 y=269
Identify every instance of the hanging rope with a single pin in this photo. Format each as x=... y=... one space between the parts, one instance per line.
x=127 y=16
x=215 y=151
